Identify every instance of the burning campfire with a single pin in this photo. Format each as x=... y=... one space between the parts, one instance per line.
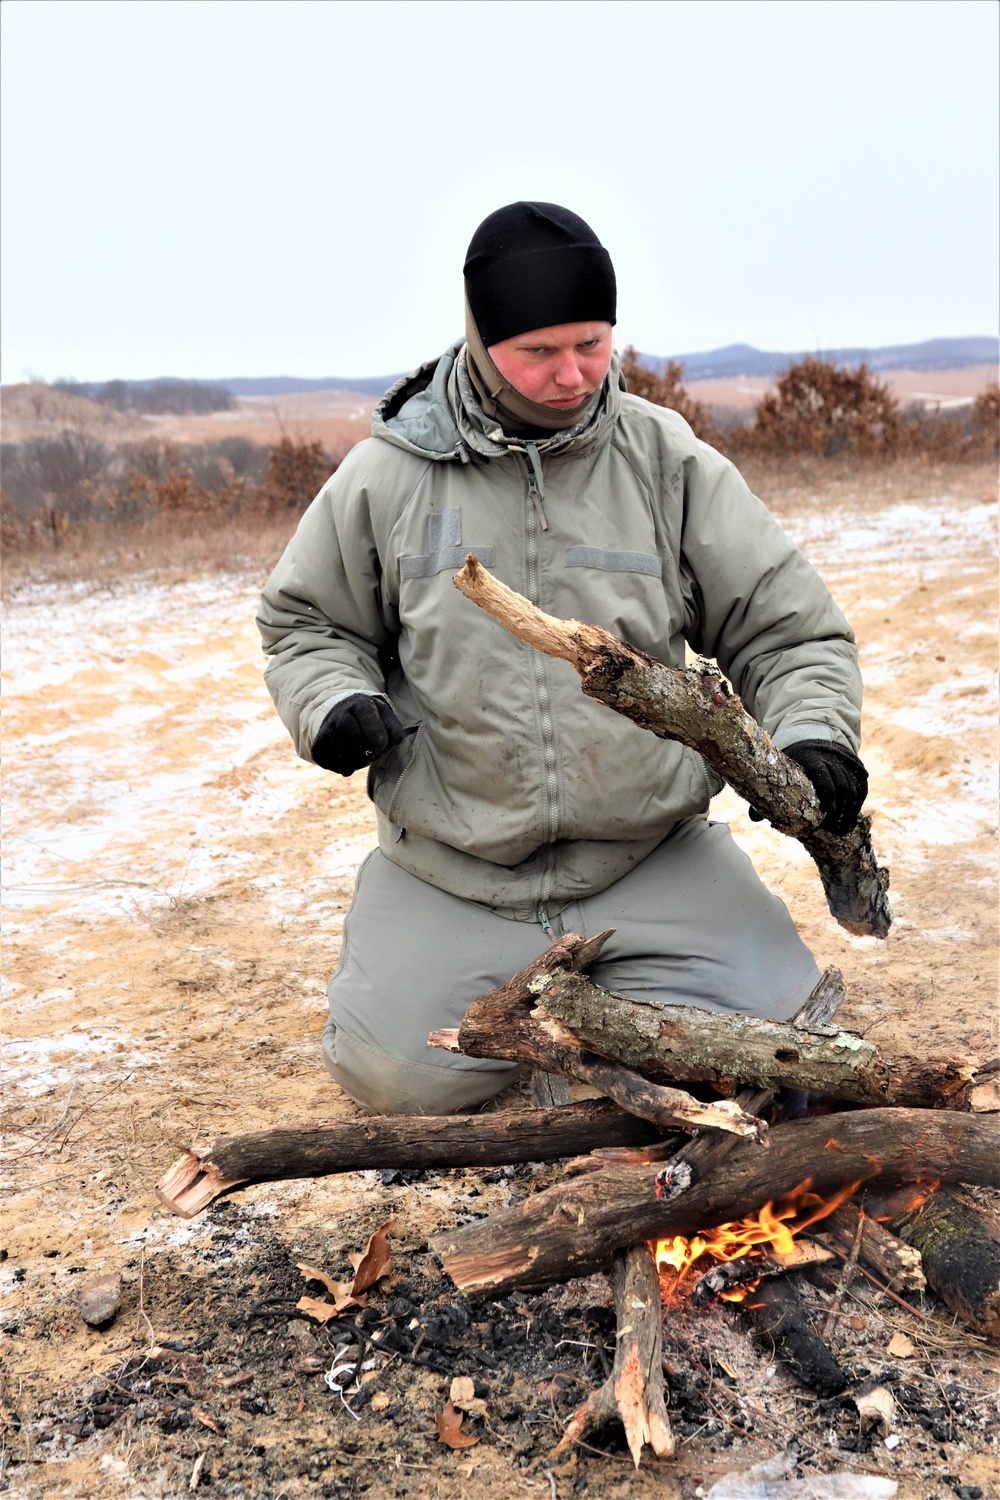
x=646 y=1203
x=765 y=1236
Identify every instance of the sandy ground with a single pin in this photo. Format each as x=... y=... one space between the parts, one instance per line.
x=176 y=882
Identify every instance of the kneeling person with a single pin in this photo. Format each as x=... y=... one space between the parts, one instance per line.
x=510 y=807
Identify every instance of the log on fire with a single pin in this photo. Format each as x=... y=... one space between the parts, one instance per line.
x=682 y=1044
x=575 y=1227
x=891 y=1258
x=960 y=1251
x=698 y=708
x=633 y=1392
x=197 y=1178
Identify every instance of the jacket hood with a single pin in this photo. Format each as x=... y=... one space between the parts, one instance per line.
x=435 y=413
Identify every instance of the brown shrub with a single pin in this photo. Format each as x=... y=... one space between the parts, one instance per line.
x=295 y=473
x=138 y=486
x=819 y=408
x=666 y=388
x=985 y=419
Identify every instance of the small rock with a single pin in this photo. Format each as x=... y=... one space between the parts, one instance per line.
x=302 y=1334
x=100 y=1299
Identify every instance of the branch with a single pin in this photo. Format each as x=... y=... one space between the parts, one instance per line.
x=698 y=708
x=575 y=1227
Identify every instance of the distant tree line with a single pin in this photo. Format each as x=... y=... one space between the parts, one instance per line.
x=152 y=397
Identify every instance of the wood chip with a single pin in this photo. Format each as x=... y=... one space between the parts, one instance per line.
x=876 y=1408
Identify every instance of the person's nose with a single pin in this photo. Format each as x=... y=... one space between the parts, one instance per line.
x=568 y=372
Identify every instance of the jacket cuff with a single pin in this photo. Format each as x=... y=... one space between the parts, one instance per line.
x=791 y=734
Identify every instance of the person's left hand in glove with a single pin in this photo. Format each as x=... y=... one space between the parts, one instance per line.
x=839 y=780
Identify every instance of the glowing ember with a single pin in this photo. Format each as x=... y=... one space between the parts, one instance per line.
x=772 y=1232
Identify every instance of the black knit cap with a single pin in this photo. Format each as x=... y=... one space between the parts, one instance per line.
x=535 y=265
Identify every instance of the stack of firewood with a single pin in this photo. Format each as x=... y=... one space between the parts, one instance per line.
x=635 y=1175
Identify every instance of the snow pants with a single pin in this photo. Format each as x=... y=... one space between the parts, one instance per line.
x=694 y=925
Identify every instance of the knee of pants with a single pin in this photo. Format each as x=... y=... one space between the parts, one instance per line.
x=384 y=1085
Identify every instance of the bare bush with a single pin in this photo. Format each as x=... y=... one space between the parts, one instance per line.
x=665 y=387
x=295 y=473
x=54 y=484
x=819 y=408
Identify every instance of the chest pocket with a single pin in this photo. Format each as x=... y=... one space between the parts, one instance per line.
x=445 y=548
x=614 y=562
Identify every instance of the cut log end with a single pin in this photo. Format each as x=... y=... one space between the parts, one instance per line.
x=190 y=1185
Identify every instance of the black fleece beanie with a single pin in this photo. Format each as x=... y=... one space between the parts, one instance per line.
x=535 y=265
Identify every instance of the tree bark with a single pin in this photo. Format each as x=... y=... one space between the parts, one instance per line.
x=681 y=1044
x=633 y=1392
x=960 y=1251
x=575 y=1227
x=501 y=1024
x=698 y=708
x=199 y=1177
x=896 y=1262
x=779 y=1317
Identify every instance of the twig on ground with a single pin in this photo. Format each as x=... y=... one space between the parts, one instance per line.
x=142 y=1298
x=846 y=1277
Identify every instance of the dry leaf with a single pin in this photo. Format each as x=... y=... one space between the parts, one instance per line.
x=463 y=1390
x=324 y=1311
x=900 y=1347
x=202 y=1416
x=313 y=1273
x=376 y=1261
x=379 y=1401
x=449 y=1426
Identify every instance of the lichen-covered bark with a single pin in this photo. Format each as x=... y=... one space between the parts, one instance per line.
x=960 y=1251
x=697 y=707
x=681 y=1044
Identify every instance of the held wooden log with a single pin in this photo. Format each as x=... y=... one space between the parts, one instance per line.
x=199 y=1177
x=633 y=1392
x=575 y=1227
x=698 y=708
x=681 y=1044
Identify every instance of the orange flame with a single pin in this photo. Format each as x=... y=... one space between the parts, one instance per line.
x=771 y=1231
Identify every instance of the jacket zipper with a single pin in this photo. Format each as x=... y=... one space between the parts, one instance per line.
x=550 y=787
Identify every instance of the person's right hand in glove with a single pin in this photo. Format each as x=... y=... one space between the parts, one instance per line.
x=356 y=732
x=839 y=778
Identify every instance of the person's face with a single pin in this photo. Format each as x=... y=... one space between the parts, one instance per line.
x=558 y=367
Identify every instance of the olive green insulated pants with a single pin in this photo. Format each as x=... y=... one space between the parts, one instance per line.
x=694 y=925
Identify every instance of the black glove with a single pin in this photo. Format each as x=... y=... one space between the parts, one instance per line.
x=356 y=731
x=838 y=777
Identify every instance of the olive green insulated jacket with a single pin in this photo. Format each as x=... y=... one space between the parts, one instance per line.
x=511 y=788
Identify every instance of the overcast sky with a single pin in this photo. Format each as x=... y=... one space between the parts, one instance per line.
x=239 y=187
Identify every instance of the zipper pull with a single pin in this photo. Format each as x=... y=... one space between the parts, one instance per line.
x=545 y=924
x=536 y=484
